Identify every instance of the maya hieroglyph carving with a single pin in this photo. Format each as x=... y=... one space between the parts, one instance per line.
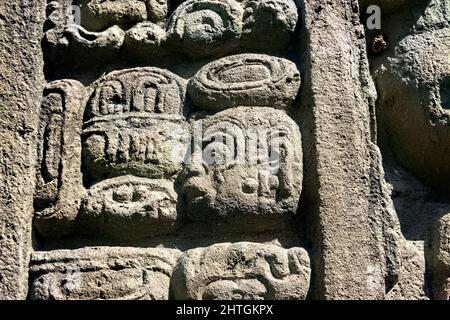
x=145 y=30
x=141 y=153
x=412 y=78
x=102 y=273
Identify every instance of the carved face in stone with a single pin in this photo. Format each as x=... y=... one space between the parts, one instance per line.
x=415 y=105
x=248 y=163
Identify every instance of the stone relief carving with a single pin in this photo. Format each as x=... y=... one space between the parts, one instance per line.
x=203 y=26
x=133 y=124
x=242 y=271
x=134 y=121
x=129 y=207
x=269 y=24
x=102 y=274
x=144 y=31
x=98 y=15
x=414 y=121
x=245 y=80
x=59 y=180
x=211 y=140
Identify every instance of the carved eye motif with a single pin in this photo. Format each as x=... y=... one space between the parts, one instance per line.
x=112 y=99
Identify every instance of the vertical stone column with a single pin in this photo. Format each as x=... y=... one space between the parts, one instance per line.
x=21 y=77
x=343 y=177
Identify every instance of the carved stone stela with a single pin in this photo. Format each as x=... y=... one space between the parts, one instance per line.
x=145 y=155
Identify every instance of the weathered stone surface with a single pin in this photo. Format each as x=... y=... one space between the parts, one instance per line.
x=269 y=24
x=130 y=207
x=59 y=181
x=245 y=80
x=68 y=43
x=135 y=125
x=147 y=90
x=98 y=15
x=351 y=223
x=144 y=146
x=141 y=30
x=413 y=131
x=205 y=26
x=410 y=285
x=416 y=110
x=242 y=271
x=238 y=132
x=229 y=177
x=144 y=39
x=386 y=5
x=86 y=43
x=102 y=274
x=441 y=259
